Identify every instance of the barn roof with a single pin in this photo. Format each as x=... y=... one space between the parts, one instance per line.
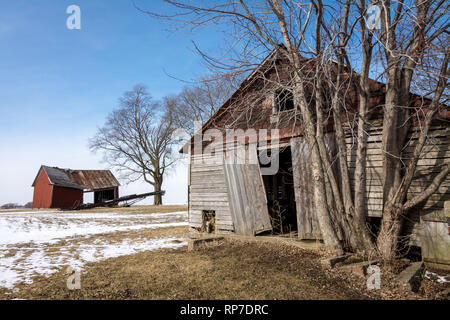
x=79 y=179
x=95 y=179
x=378 y=91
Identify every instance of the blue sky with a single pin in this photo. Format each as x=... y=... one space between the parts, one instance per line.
x=58 y=85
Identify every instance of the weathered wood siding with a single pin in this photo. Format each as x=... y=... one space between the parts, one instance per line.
x=247 y=196
x=232 y=190
x=435 y=153
x=374 y=189
x=208 y=191
x=307 y=223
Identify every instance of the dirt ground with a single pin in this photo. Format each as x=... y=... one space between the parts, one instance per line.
x=227 y=269
x=230 y=269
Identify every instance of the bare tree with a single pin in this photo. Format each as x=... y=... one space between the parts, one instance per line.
x=200 y=101
x=411 y=33
x=323 y=49
x=136 y=139
x=10 y=206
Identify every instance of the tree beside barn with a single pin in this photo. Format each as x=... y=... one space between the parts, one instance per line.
x=323 y=47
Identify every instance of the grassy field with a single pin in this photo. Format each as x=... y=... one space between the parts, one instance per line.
x=227 y=269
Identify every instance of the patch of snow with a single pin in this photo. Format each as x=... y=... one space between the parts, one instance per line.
x=29 y=241
x=439 y=278
x=51 y=227
x=40 y=263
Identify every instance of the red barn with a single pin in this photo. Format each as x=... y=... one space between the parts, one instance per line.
x=64 y=188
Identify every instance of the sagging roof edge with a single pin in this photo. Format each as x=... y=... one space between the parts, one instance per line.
x=77 y=179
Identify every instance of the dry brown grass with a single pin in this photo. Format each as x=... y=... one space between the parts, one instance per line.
x=133 y=234
x=139 y=209
x=227 y=270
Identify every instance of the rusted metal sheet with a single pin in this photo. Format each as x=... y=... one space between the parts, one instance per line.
x=94 y=179
x=89 y=180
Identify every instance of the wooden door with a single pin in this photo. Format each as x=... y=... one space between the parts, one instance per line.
x=247 y=196
x=307 y=223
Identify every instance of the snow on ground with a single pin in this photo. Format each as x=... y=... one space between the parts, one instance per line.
x=436 y=277
x=41 y=243
x=50 y=227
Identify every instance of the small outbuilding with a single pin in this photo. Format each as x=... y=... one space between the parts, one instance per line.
x=65 y=188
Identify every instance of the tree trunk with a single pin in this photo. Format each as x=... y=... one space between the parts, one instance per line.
x=157 y=199
x=394 y=207
x=389 y=235
x=360 y=215
x=323 y=214
x=342 y=224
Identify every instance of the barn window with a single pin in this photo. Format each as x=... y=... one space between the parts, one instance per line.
x=208 y=221
x=284 y=100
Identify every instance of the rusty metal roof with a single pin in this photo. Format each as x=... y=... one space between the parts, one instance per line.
x=95 y=179
x=90 y=180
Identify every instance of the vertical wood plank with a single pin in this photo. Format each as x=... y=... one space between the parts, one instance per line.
x=247 y=197
x=307 y=224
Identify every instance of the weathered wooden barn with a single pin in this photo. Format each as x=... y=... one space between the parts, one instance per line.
x=65 y=188
x=237 y=198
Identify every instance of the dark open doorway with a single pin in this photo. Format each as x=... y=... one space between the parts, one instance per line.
x=280 y=196
x=103 y=195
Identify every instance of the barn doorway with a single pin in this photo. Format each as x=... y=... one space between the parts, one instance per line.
x=280 y=195
x=103 y=195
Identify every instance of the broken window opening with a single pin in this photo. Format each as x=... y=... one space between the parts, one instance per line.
x=208 y=221
x=284 y=100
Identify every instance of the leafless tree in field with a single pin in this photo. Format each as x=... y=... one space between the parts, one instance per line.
x=136 y=139
x=331 y=52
